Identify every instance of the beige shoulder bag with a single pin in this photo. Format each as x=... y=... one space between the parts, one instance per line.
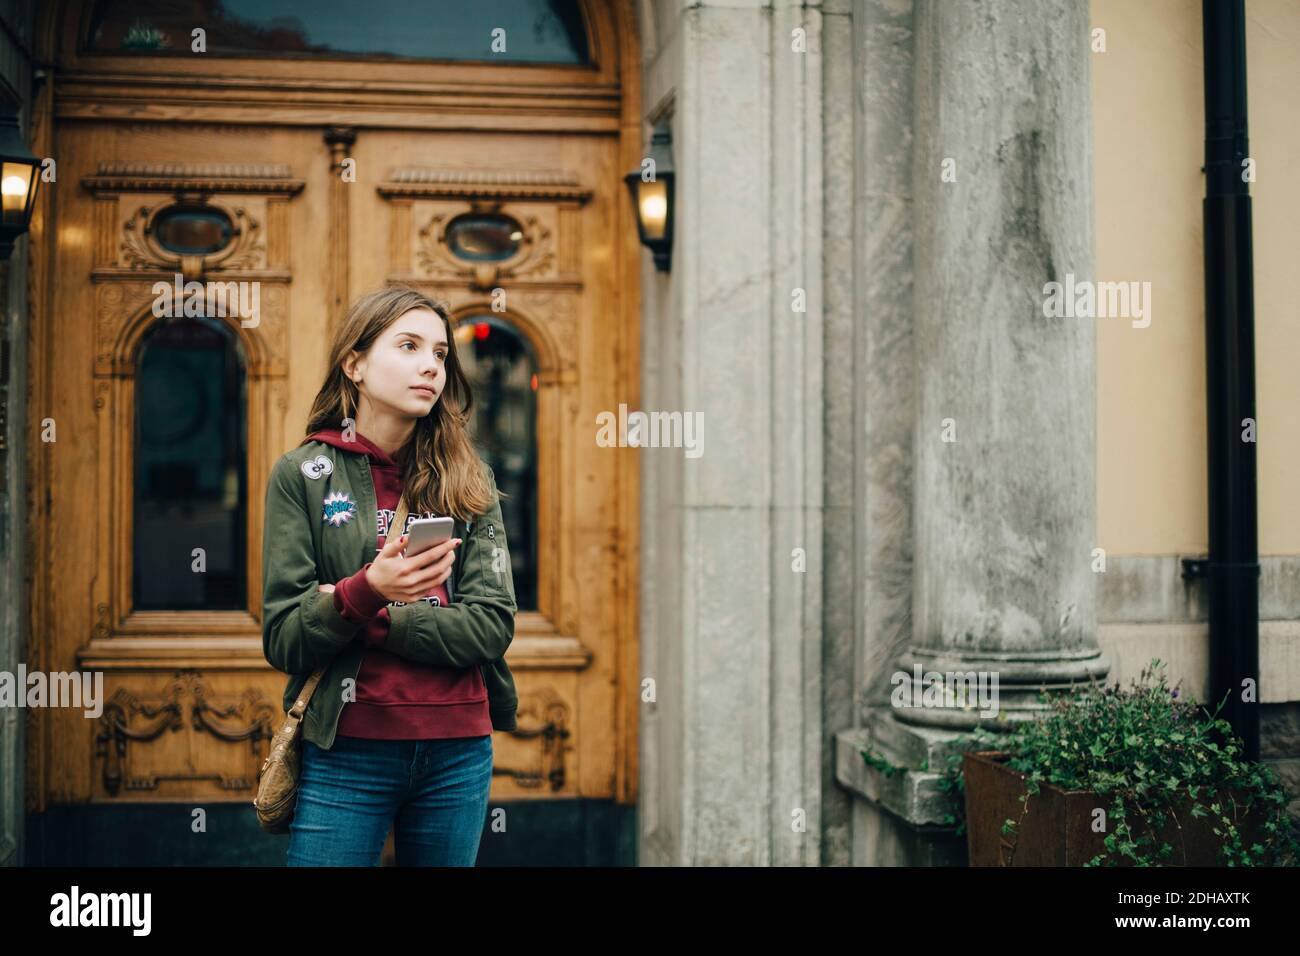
x=277 y=781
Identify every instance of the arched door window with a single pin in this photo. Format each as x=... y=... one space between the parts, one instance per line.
x=503 y=373
x=191 y=491
x=500 y=31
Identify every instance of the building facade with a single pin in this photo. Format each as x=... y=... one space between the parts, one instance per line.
x=898 y=460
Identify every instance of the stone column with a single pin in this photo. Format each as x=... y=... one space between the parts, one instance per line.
x=1005 y=494
x=1002 y=492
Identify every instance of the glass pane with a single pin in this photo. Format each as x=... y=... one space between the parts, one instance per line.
x=193 y=230
x=484 y=238
x=653 y=200
x=15 y=181
x=503 y=373
x=536 y=31
x=190 y=475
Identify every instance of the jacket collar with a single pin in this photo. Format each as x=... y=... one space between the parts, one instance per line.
x=360 y=444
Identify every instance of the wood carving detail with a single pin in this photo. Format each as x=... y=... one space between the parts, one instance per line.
x=536 y=255
x=120 y=302
x=131 y=722
x=542 y=717
x=140 y=249
x=523 y=185
x=115 y=304
x=115 y=177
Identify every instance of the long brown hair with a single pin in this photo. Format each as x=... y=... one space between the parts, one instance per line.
x=442 y=472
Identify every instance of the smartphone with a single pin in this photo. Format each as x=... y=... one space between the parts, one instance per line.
x=424 y=533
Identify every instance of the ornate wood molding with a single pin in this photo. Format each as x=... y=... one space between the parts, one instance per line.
x=536 y=255
x=431 y=197
x=521 y=185
x=139 y=248
x=124 y=314
x=546 y=203
x=121 y=177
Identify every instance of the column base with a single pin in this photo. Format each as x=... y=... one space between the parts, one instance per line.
x=902 y=814
x=1009 y=685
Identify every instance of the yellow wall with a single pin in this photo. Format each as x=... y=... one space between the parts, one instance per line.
x=1149 y=127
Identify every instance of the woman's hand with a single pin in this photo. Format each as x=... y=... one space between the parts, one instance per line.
x=327 y=588
x=410 y=579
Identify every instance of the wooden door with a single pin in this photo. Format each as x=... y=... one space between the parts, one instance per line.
x=301 y=183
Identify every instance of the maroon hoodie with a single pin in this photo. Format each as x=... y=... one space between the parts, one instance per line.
x=398 y=699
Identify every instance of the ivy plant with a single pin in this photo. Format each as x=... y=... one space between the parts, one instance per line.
x=1150 y=751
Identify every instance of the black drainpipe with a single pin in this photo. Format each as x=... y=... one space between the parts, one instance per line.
x=1232 y=571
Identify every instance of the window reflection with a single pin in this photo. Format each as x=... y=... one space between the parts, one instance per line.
x=503 y=373
x=539 y=31
x=193 y=230
x=190 y=475
x=484 y=238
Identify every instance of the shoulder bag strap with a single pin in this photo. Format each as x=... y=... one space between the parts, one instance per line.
x=300 y=705
x=399 y=520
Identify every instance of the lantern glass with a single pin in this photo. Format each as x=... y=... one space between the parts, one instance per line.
x=652 y=205
x=15 y=186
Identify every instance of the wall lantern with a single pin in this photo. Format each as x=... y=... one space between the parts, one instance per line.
x=18 y=181
x=651 y=187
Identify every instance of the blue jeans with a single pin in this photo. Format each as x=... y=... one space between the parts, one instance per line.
x=432 y=793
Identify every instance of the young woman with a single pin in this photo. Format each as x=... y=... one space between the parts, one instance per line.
x=398 y=733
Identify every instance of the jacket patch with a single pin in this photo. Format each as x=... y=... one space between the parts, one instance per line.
x=339 y=508
x=317 y=467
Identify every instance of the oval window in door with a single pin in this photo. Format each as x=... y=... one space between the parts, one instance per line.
x=484 y=237
x=192 y=230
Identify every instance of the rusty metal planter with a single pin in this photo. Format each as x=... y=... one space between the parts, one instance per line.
x=1057 y=826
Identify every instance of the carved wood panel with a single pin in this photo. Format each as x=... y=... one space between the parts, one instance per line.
x=168 y=740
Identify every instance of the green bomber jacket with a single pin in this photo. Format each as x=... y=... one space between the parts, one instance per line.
x=301 y=629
